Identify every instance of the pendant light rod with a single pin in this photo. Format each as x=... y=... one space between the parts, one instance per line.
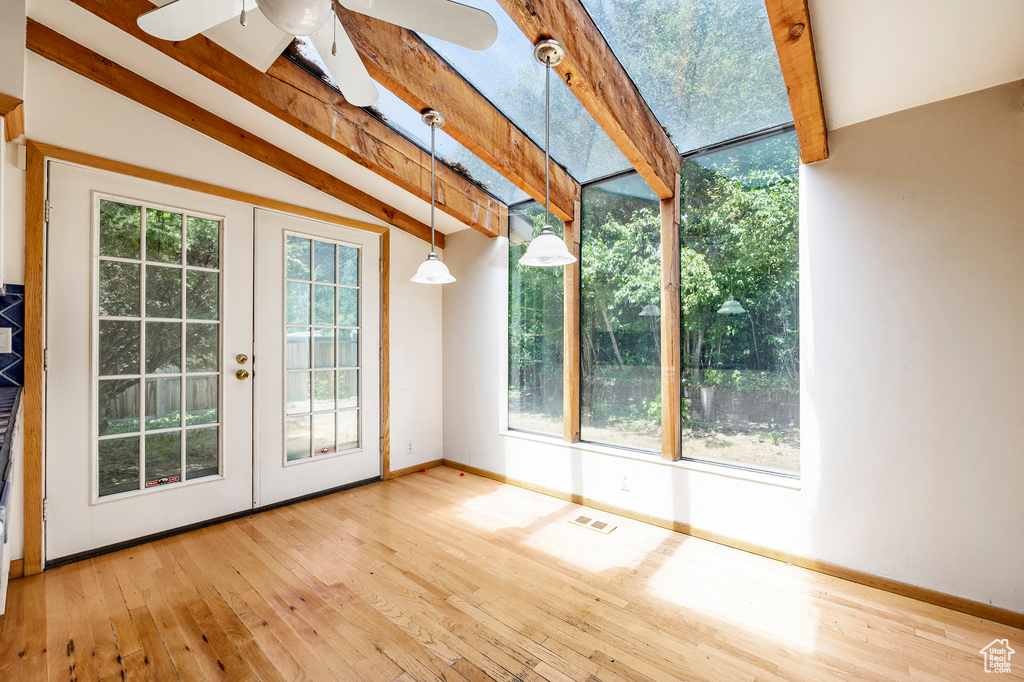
x=433 y=135
x=547 y=139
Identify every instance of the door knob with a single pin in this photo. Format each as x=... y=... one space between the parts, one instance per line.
x=242 y=374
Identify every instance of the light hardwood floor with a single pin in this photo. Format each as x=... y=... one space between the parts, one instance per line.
x=442 y=576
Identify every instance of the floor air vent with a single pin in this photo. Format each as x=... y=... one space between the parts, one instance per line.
x=593 y=524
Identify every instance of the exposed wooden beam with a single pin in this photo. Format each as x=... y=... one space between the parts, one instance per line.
x=302 y=100
x=12 y=111
x=671 y=332
x=408 y=67
x=571 y=333
x=595 y=76
x=791 y=28
x=61 y=50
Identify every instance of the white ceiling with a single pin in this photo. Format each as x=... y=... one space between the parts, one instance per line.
x=876 y=57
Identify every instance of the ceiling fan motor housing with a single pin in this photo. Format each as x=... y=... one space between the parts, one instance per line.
x=298 y=17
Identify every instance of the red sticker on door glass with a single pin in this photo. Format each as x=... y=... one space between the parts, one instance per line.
x=162 y=481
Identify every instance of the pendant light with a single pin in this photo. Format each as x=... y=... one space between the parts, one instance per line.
x=432 y=270
x=731 y=307
x=547 y=249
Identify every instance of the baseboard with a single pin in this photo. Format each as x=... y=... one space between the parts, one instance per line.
x=922 y=594
x=417 y=467
x=17 y=568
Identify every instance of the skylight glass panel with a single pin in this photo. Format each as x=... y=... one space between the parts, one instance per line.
x=408 y=121
x=707 y=68
x=508 y=75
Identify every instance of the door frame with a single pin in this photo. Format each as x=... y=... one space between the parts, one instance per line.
x=35 y=311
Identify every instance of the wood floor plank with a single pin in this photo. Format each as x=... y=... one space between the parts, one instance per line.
x=449 y=578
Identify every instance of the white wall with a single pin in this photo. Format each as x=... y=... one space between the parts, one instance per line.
x=912 y=237
x=66 y=110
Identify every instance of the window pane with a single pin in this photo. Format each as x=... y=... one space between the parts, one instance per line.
x=296 y=392
x=202 y=297
x=348 y=307
x=163 y=458
x=203 y=238
x=298 y=303
x=201 y=400
x=741 y=383
x=202 y=345
x=297 y=257
x=163 y=236
x=201 y=453
x=119 y=347
x=348 y=388
x=163 y=403
x=120 y=229
x=620 y=362
x=119 y=289
x=324 y=264
x=118 y=465
x=163 y=347
x=297 y=438
x=348 y=348
x=348 y=430
x=348 y=266
x=163 y=291
x=118 y=406
x=323 y=434
x=297 y=348
x=323 y=304
x=535 y=331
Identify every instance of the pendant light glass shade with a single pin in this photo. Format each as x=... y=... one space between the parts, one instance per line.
x=432 y=270
x=546 y=249
x=731 y=307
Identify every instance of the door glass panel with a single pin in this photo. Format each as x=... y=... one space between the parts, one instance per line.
x=145 y=442
x=163 y=236
x=322 y=333
x=120 y=285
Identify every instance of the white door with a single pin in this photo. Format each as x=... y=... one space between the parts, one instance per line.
x=317 y=356
x=149 y=301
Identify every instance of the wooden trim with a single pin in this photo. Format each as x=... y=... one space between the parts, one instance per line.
x=35 y=297
x=302 y=100
x=791 y=28
x=83 y=61
x=12 y=111
x=922 y=594
x=35 y=255
x=597 y=78
x=404 y=64
x=417 y=467
x=571 y=333
x=17 y=568
x=385 y=363
x=671 y=333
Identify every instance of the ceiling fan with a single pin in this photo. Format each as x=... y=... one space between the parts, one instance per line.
x=444 y=19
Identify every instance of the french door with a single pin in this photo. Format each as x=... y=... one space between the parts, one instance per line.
x=175 y=378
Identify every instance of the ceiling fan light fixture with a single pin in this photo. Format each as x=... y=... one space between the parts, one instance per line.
x=298 y=17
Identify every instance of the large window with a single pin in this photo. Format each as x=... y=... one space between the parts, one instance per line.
x=620 y=359
x=741 y=343
x=535 y=312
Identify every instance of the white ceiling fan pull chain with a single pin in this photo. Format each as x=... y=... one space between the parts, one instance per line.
x=334 y=46
x=242 y=17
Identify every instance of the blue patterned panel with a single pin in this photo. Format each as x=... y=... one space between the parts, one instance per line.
x=12 y=314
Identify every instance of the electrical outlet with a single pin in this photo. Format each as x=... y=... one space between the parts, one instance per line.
x=408 y=447
x=625 y=483
x=6 y=344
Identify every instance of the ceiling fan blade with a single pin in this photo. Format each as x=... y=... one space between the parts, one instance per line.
x=444 y=19
x=346 y=68
x=182 y=19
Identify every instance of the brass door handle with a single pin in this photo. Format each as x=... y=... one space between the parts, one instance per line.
x=242 y=374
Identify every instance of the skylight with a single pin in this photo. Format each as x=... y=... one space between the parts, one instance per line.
x=507 y=74
x=707 y=68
